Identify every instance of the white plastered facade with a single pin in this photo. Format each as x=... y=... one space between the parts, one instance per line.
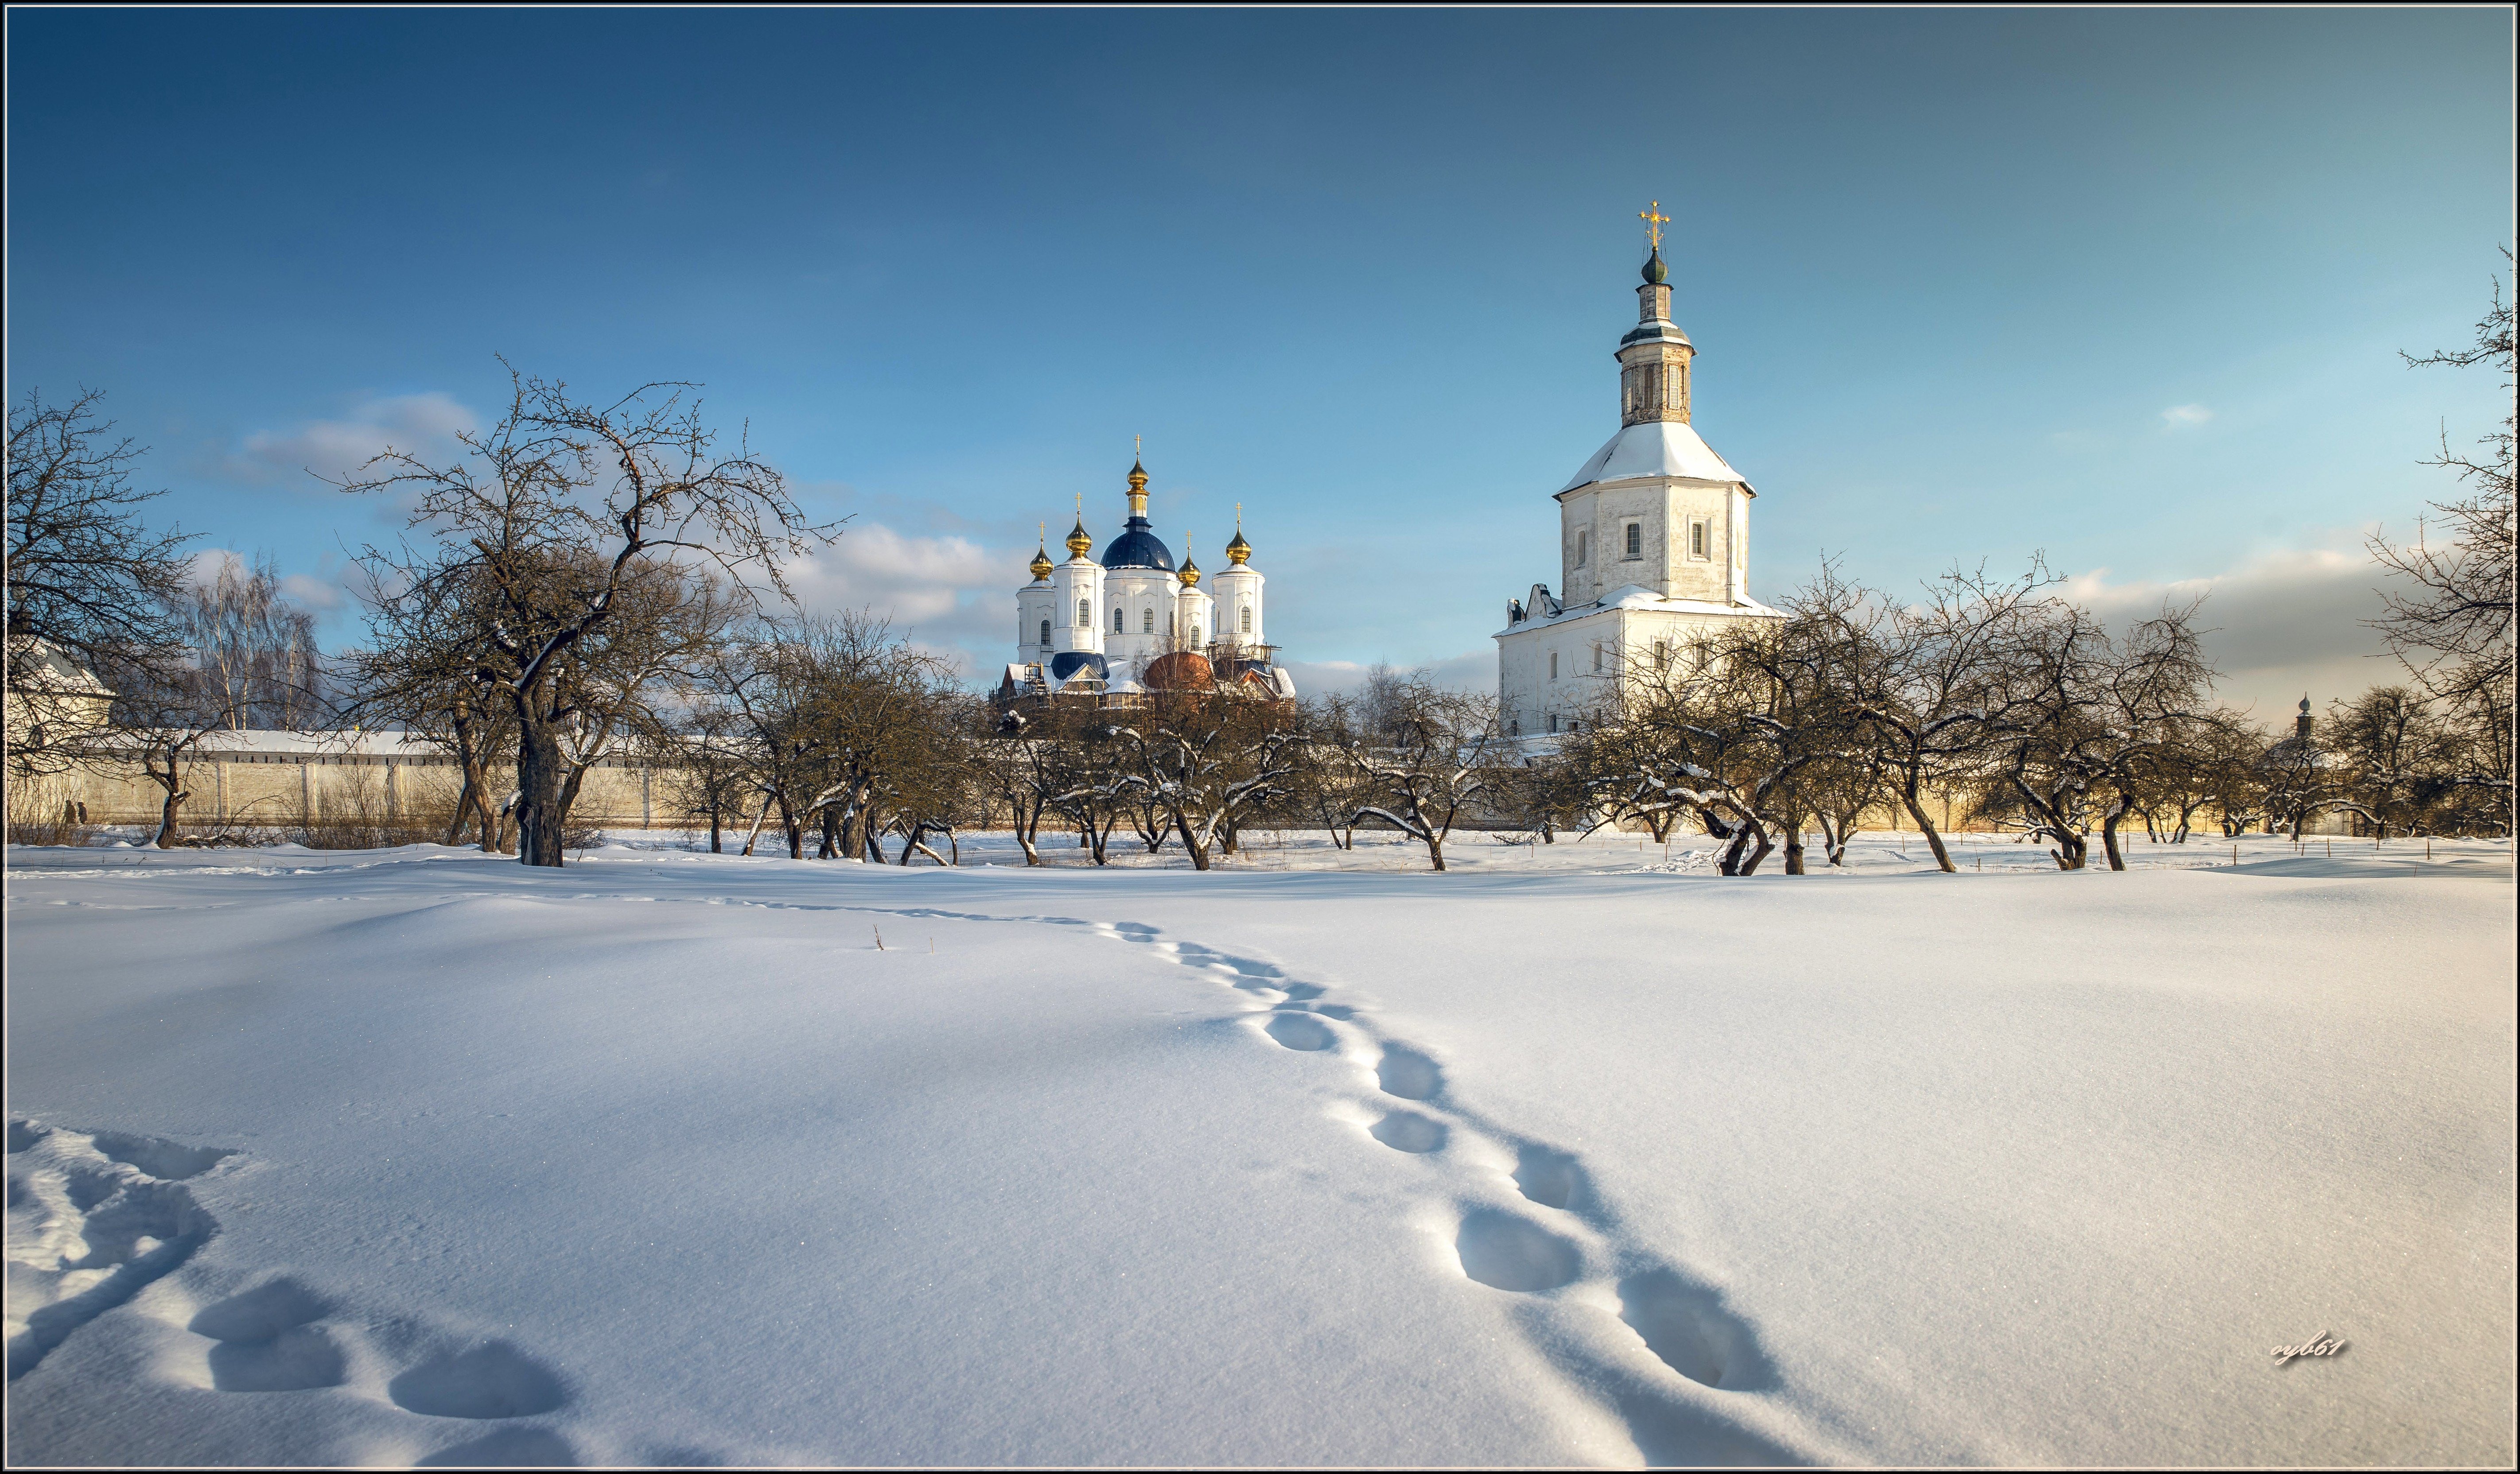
x=1654 y=546
x=1131 y=613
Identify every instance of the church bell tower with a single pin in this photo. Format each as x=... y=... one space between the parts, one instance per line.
x=1653 y=358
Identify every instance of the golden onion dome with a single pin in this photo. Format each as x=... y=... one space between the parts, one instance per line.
x=1238 y=552
x=1041 y=564
x=1189 y=574
x=1138 y=476
x=1080 y=541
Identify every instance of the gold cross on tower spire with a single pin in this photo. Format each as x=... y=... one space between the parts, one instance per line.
x=1654 y=220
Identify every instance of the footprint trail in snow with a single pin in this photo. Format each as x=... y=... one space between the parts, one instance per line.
x=1629 y=1326
x=95 y=1217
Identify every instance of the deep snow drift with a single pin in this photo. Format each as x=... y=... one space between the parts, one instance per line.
x=1578 y=1155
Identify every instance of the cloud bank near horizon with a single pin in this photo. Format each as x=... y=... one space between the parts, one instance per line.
x=2280 y=625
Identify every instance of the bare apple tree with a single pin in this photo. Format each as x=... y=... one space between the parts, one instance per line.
x=558 y=517
x=1427 y=755
x=2454 y=633
x=88 y=584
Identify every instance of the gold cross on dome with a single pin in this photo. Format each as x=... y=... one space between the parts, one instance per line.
x=1140 y=446
x=1654 y=220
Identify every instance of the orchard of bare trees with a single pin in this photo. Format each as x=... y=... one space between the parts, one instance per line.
x=602 y=582
x=2018 y=709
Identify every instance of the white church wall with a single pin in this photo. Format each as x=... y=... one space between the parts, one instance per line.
x=1237 y=592
x=1131 y=613
x=1593 y=552
x=1036 y=606
x=1079 y=611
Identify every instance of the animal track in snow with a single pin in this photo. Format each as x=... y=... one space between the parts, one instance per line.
x=89 y=1227
x=1560 y=1246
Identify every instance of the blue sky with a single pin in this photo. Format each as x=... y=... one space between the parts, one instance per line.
x=2124 y=285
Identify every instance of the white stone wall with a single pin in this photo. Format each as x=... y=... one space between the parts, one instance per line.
x=1238 y=592
x=1590 y=650
x=1196 y=610
x=1079 y=586
x=1157 y=614
x=1593 y=523
x=1142 y=599
x=282 y=788
x=1036 y=602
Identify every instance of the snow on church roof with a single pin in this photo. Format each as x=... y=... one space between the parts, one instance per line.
x=1655 y=448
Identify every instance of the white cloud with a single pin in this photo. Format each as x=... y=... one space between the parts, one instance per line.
x=954 y=595
x=2180 y=417
x=203 y=569
x=2283 y=623
x=423 y=425
x=321 y=596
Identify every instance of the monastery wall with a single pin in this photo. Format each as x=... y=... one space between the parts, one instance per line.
x=297 y=787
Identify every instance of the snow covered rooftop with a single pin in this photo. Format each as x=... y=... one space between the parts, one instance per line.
x=349 y=743
x=1639 y=597
x=55 y=671
x=1658 y=448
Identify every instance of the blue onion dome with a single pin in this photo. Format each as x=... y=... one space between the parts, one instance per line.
x=1137 y=547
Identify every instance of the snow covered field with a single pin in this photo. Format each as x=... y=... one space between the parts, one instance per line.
x=1578 y=1154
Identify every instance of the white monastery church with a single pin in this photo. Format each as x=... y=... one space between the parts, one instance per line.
x=1653 y=539
x=1104 y=627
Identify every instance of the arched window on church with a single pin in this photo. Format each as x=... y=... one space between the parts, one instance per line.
x=1045 y=633
x=1085 y=613
x=1246 y=620
x=1119 y=621
x=1635 y=540
x=1151 y=622
x=1583 y=547
x=1698 y=539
